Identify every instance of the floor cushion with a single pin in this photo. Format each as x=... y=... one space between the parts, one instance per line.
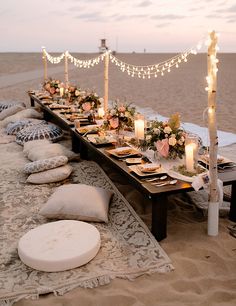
x=26 y=113
x=5 y=105
x=59 y=246
x=51 y=150
x=50 y=176
x=35 y=144
x=14 y=127
x=10 y=111
x=45 y=164
x=78 y=202
x=39 y=131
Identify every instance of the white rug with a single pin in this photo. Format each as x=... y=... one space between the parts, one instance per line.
x=128 y=248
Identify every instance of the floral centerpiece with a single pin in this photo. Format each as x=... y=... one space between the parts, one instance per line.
x=72 y=93
x=119 y=117
x=52 y=86
x=89 y=102
x=167 y=138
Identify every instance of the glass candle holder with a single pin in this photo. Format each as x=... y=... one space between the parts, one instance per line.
x=191 y=152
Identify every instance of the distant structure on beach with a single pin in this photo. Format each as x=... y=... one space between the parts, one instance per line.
x=103 y=46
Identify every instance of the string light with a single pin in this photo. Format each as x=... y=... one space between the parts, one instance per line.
x=155 y=69
x=143 y=72
x=77 y=62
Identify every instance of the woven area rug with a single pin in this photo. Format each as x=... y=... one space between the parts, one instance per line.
x=128 y=249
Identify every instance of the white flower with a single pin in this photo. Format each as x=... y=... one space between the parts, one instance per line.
x=95 y=95
x=172 y=141
x=113 y=112
x=167 y=130
x=156 y=131
x=101 y=100
x=77 y=92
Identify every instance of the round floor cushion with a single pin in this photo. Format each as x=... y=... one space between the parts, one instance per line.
x=59 y=246
x=39 y=131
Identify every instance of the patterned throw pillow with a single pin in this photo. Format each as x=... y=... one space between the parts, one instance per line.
x=50 y=176
x=5 y=105
x=39 y=131
x=45 y=164
x=14 y=127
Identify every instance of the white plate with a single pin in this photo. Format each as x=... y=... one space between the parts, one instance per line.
x=136 y=170
x=87 y=128
x=100 y=140
x=220 y=159
x=117 y=152
x=133 y=160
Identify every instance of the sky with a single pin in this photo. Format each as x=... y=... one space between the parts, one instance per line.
x=128 y=25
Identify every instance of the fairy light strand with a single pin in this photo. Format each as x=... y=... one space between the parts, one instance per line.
x=154 y=70
x=143 y=72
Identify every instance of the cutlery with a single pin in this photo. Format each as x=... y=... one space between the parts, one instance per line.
x=156 y=178
x=172 y=182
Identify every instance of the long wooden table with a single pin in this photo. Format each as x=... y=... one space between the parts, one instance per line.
x=158 y=196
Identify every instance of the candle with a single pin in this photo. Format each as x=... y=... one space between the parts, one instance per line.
x=189 y=157
x=61 y=91
x=101 y=112
x=139 y=128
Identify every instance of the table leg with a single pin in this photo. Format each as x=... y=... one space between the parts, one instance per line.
x=32 y=102
x=232 y=211
x=75 y=143
x=159 y=217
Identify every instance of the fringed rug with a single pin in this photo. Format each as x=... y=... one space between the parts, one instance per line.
x=128 y=249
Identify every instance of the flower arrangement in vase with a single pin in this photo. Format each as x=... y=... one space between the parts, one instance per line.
x=53 y=86
x=167 y=138
x=89 y=102
x=119 y=117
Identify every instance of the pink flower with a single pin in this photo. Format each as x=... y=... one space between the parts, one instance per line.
x=121 y=109
x=114 y=122
x=52 y=90
x=86 y=106
x=47 y=87
x=163 y=147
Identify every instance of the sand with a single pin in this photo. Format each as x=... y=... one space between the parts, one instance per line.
x=205 y=267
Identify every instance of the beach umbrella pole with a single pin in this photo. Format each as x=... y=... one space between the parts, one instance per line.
x=213 y=208
x=106 y=80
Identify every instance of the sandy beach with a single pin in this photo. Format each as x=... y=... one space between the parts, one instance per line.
x=205 y=267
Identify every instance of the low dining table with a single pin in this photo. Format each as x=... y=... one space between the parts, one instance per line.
x=157 y=195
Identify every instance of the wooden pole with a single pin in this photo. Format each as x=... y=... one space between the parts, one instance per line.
x=106 y=70
x=45 y=64
x=213 y=208
x=66 y=70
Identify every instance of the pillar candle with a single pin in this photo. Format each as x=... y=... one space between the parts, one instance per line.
x=61 y=91
x=139 y=128
x=101 y=112
x=189 y=157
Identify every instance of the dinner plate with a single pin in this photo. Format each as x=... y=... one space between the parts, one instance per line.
x=133 y=160
x=87 y=129
x=123 y=152
x=101 y=140
x=137 y=170
x=220 y=159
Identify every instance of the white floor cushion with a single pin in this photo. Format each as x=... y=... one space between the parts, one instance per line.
x=59 y=246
